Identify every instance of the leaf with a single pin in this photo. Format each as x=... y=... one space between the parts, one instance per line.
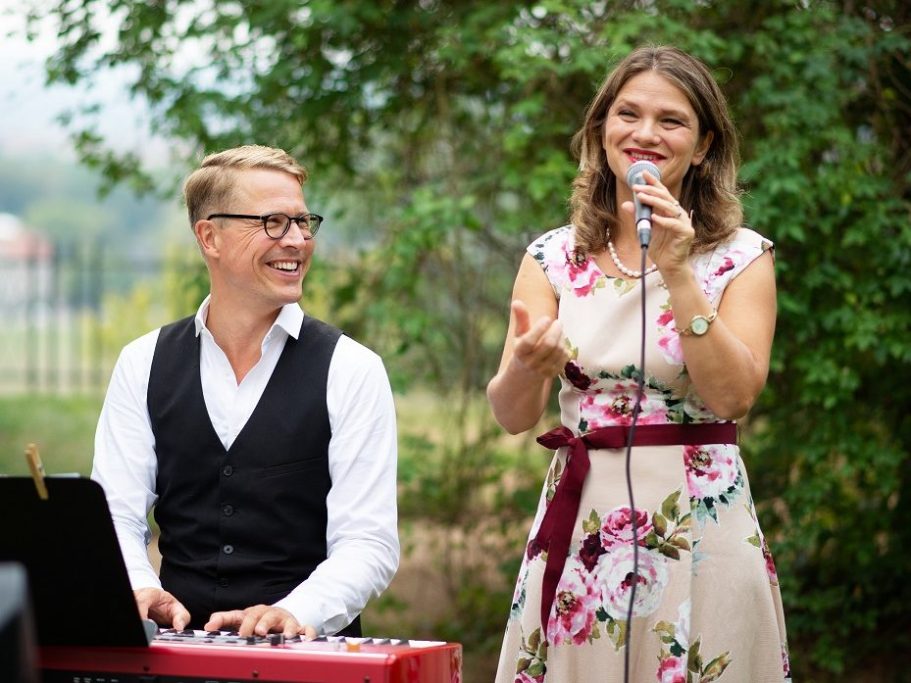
x=715 y=668
x=685 y=523
x=660 y=524
x=592 y=525
x=438 y=132
x=670 y=507
x=536 y=669
x=534 y=640
x=669 y=550
x=680 y=542
x=666 y=630
x=652 y=540
x=693 y=660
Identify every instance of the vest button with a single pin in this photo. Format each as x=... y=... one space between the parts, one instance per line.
x=228 y=549
x=228 y=510
x=227 y=470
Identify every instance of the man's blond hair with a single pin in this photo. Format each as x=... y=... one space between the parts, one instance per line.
x=209 y=186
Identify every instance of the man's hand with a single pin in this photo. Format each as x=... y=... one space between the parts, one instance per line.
x=260 y=620
x=161 y=607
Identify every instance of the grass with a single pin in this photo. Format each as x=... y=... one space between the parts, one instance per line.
x=63 y=428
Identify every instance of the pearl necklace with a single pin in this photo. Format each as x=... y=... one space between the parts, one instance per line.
x=623 y=269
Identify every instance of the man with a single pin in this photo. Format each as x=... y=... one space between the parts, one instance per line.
x=264 y=438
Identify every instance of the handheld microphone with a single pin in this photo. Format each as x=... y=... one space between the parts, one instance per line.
x=643 y=211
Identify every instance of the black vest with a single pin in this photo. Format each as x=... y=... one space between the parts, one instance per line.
x=242 y=526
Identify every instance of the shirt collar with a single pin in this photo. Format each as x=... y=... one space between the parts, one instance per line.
x=289 y=319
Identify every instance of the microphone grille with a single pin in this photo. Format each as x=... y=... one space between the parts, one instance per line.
x=638 y=168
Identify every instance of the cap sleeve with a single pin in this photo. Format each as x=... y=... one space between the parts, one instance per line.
x=554 y=252
x=719 y=267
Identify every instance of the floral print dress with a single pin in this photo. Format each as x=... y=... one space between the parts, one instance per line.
x=707 y=604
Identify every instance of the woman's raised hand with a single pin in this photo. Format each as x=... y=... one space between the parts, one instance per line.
x=538 y=348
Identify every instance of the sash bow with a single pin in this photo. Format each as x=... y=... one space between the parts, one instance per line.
x=556 y=530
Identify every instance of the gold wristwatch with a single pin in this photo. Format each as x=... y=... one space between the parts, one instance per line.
x=699 y=325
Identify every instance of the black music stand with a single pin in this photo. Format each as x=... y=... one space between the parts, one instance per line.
x=18 y=658
x=79 y=585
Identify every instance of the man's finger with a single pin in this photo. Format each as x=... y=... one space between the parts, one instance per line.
x=143 y=609
x=275 y=621
x=181 y=617
x=218 y=620
x=291 y=628
x=248 y=624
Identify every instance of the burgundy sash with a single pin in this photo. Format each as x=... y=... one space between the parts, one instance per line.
x=555 y=532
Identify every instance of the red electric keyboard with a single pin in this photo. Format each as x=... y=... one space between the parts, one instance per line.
x=200 y=657
x=111 y=644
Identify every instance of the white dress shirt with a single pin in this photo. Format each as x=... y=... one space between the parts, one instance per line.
x=361 y=533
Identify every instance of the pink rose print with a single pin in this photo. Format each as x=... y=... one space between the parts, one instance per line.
x=666 y=319
x=518 y=595
x=590 y=551
x=726 y=265
x=711 y=471
x=531 y=663
x=582 y=278
x=696 y=408
x=556 y=265
x=769 y=561
x=714 y=281
x=576 y=377
x=615 y=569
x=614 y=406
x=573 y=614
x=584 y=281
x=676 y=660
x=672 y=670
x=617 y=527
x=669 y=339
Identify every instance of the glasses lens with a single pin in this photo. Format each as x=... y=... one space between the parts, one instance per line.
x=276 y=225
x=313 y=222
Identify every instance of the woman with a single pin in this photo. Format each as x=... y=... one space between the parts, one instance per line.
x=706 y=598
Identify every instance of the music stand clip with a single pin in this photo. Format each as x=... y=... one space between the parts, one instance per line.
x=37 y=469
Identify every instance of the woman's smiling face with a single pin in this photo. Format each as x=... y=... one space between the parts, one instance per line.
x=651 y=119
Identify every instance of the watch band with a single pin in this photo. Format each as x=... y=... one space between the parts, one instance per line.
x=699 y=325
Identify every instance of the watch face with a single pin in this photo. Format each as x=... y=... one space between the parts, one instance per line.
x=699 y=325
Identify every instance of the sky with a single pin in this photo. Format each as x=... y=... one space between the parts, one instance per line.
x=28 y=108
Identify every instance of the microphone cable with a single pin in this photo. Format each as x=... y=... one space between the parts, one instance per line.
x=637 y=407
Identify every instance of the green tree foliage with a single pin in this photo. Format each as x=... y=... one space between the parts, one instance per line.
x=440 y=129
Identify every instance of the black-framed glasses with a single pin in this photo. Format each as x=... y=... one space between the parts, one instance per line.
x=277 y=225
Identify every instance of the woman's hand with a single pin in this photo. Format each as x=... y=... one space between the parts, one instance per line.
x=538 y=348
x=533 y=353
x=672 y=227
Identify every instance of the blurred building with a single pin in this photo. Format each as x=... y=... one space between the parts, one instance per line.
x=26 y=265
